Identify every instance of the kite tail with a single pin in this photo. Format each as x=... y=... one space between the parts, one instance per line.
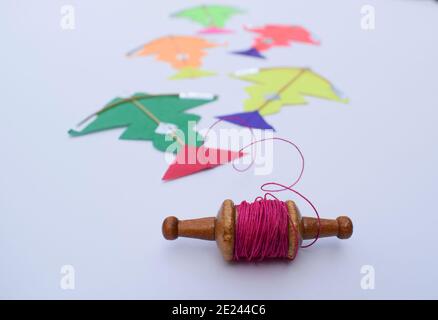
x=215 y=30
x=251 y=52
x=251 y=119
x=191 y=159
x=191 y=73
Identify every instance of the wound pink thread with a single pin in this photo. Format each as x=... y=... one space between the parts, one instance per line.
x=262 y=230
x=260 y=225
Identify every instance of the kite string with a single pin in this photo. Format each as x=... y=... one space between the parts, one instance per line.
x=116 y=103
x=156 y=120
x=142 y=107
x=265 y=186
x=287 y=85
x=281 y=187
x=146 y=111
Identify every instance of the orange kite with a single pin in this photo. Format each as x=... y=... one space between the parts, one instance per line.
x=184 y=53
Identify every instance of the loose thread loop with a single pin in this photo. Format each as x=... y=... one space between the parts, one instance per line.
x=282 y=187
x=262 y=226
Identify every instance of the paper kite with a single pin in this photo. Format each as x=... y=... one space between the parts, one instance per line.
x=163 y=120
x=183 y=53
x=270 y=36
x=274 y=88
x=211 y=17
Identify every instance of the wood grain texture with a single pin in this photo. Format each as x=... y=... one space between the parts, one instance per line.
x=295 y=231
x=341 y=227
x=202 y=228
x=225 y=223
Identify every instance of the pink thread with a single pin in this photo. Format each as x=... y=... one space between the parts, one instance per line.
x=261 y=230
x=283 y=187
x=262 y=226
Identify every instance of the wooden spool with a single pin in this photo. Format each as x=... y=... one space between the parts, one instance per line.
x=221 y=228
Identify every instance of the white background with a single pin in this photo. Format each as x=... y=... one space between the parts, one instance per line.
x=98 y=203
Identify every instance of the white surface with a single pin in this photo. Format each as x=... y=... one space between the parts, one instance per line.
x=97 y=203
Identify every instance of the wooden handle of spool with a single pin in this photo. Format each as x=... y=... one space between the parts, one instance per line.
x=222 y=228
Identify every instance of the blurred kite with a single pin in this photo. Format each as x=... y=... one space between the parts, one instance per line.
x=274 y=88
x=212 y=17
x=270 y=36
x=161 y=119
x=183 y=53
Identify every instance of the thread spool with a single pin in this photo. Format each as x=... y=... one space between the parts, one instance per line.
x=222 y=228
